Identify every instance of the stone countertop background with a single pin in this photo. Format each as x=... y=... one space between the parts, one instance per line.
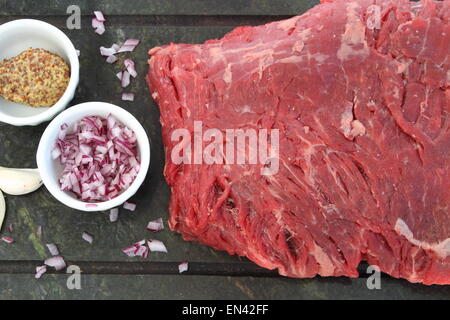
x=155 y=22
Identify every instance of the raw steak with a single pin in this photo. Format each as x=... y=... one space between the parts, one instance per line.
x=363 y=115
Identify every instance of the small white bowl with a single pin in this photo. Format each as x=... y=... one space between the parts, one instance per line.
x=20 y=35
x=50 y=169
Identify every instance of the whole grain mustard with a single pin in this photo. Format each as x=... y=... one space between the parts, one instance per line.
x=35 y=77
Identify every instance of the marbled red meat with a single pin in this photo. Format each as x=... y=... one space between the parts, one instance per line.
x=363 y=116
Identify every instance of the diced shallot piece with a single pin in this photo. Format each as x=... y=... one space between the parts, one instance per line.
x=7 y=239
x=129 y=206
x=131 y=42
x=87 y=237
x=138 y=249
x=99 y=16
x=129 y=45
x=56 y=262
x=125 y=80
x=111 y=59
x=98 y=26
x=183 y=267
x=156 y=246
x=53 y=249
x=129 y=65
x=155 y=225
x=128 y=96
x=106 y=52
x=114 y=214
x=40 y=270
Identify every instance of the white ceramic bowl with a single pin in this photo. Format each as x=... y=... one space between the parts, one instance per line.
x=50 y=169
x=20 y=35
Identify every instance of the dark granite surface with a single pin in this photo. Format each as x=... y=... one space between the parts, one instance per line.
x=155 y=22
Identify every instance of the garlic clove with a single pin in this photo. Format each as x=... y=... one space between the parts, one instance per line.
x=19 y=181
x=2 y=209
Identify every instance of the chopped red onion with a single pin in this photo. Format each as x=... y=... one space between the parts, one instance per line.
x=56 y=262
x=99 y=158
x=129 y=206
x=128 y=96
x=100 y=30
x=114 y=215
x=125 y=81
x=183 y=267
x=125 y=48
x=98 y=26
x=156 y=246
x=56 y=152
x=99 y=16
x=115 y=46
x=106 y=52
x=139 y=249
x=112 y=59
x=131 y=42
x=129 y=64
x=129 y=45
x=96 y=23
x=40 y=270
x=53 y=249
x=10 y=228
x=7 y=239
x=87 y=237
x=119 y=75
x=155 y=225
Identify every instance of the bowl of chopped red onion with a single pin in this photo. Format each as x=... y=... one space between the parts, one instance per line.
x=93 y=156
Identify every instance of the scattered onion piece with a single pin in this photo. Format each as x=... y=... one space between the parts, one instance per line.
x=155 y=225
x=125 y=48
x=77 y=52
x=106 y=52
x=7 y=239
x=53 y=249
x=129 y=206
x=131 y=42
x=125 y=80
x=139 y=249
x=114 y=215
x=10 y=228
x=183 y=267
x=98 y=26
x=129 y=64
x=128 y=96
x=40 y=270
x=100 y=30
x=112 y=59
x=129 y=45
x=156 y=246
x=99 y=16
x=87 y=237
x=115 y=46
x=56 y=262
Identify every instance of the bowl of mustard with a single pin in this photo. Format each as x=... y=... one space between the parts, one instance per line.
x=39 y=72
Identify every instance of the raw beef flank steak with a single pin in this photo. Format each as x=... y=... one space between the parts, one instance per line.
x=363 y=117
